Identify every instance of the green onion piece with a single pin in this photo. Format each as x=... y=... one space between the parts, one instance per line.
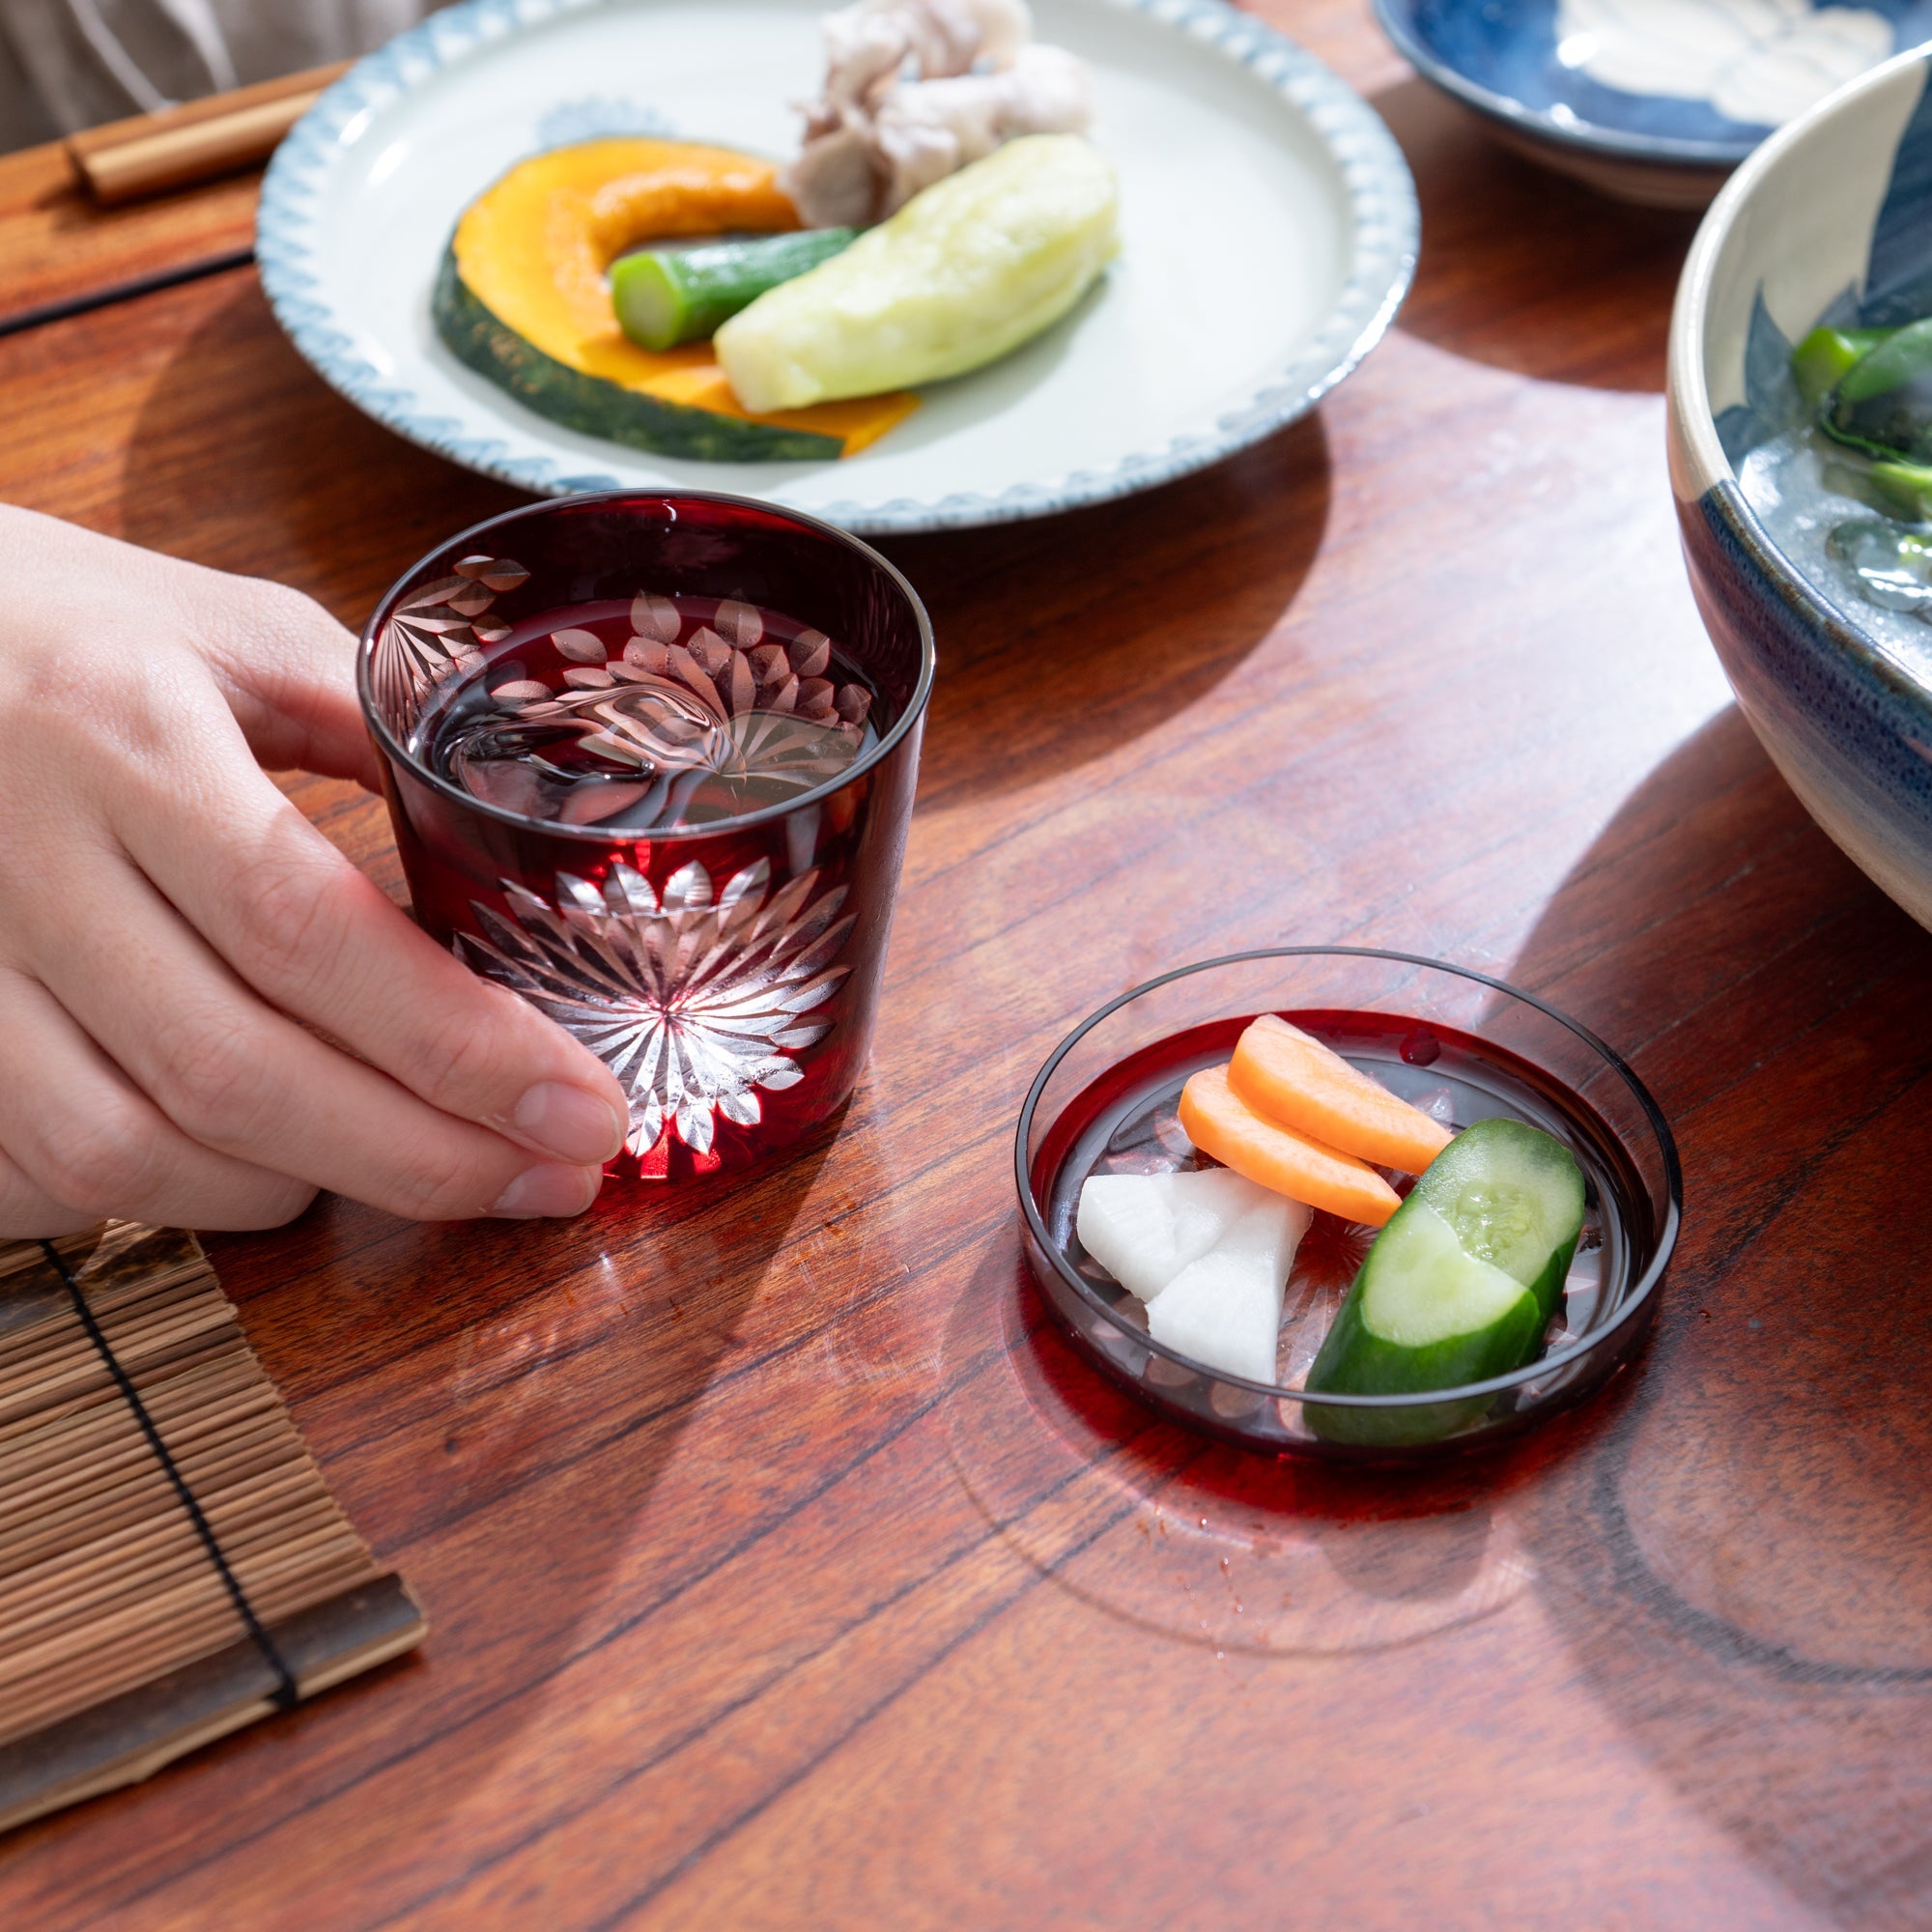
x=1906 y=485
x=666 y=296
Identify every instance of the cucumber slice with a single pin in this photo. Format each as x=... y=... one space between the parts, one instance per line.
x=666 y=296
x=1514 y=1198
x=1425 y=1314
x=1458 y=1288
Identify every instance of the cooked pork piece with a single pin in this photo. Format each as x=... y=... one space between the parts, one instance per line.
x=872 y=43
x=924 y=131
x=913 y=90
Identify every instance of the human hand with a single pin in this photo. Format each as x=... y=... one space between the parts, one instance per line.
x=171 y=926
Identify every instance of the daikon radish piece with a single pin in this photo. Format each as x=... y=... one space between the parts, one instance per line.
x=1220 y=1122
x=1224 y=1310
x=1145 y=1228
x=1291 y=1078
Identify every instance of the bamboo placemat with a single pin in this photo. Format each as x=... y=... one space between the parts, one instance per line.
x=172 y=1563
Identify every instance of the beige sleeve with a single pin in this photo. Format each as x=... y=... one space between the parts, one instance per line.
x=69 y=63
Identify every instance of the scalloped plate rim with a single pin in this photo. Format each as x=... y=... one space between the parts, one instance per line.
x=1379 y=217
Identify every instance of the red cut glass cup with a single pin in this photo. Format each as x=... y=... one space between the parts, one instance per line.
x=729 y=973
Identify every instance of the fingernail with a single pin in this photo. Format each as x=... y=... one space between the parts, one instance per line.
x=549 y=1190
x=567 y=1121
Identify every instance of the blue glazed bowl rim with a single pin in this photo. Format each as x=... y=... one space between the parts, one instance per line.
x=1693 y=422
x=1809 y=608
x=1395 y=18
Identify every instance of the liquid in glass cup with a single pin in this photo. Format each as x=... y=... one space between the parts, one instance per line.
x=650 y=760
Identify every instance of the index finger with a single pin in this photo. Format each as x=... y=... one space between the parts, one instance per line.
x=297 y=922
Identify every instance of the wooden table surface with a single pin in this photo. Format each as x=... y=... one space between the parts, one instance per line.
x=784 y=1572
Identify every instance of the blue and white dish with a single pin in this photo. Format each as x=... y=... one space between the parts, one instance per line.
x=1233 y=146
x=1830 y=220
x=1651 y=100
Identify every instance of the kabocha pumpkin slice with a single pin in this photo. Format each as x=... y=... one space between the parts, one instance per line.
x=523 y=297
x=1288 y=1077
x=1220 y=1122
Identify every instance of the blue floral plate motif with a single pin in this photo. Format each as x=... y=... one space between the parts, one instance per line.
x=1653 y=100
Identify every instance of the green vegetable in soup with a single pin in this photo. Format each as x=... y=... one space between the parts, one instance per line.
x=1823 y=358
x=1899 y=357
x=1879 y=398
x=1906 y=486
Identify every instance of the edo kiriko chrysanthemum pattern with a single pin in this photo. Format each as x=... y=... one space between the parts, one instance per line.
x=697 y=1000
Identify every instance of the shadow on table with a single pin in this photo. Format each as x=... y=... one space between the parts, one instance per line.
x=284 y=478
x=1161 y=596
x=1211 y=1546
x=1734 y=1539
x=1743 y=1565
x=1525 y=269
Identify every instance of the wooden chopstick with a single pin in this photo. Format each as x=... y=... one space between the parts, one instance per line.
x=152 y=154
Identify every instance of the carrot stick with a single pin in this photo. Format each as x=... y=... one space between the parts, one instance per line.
x=1220 y=1122
x=1291 y=1078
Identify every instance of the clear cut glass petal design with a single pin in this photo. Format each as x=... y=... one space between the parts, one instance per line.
x=437 y=631
x=696 y=1001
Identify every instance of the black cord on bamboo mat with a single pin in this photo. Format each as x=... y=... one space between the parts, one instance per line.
x=286 y=1695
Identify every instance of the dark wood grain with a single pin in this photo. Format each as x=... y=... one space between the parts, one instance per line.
x=786 y=1572
x=57 y=246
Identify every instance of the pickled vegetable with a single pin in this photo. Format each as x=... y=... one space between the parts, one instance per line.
x=1290 y=1077
x=1145 y=1228
x=1220 y=1122
x=1225 y=1309
x=1458 y=1288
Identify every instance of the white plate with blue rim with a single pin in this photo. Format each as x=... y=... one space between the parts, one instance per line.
x=1268 y=234
x=1650 y=100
